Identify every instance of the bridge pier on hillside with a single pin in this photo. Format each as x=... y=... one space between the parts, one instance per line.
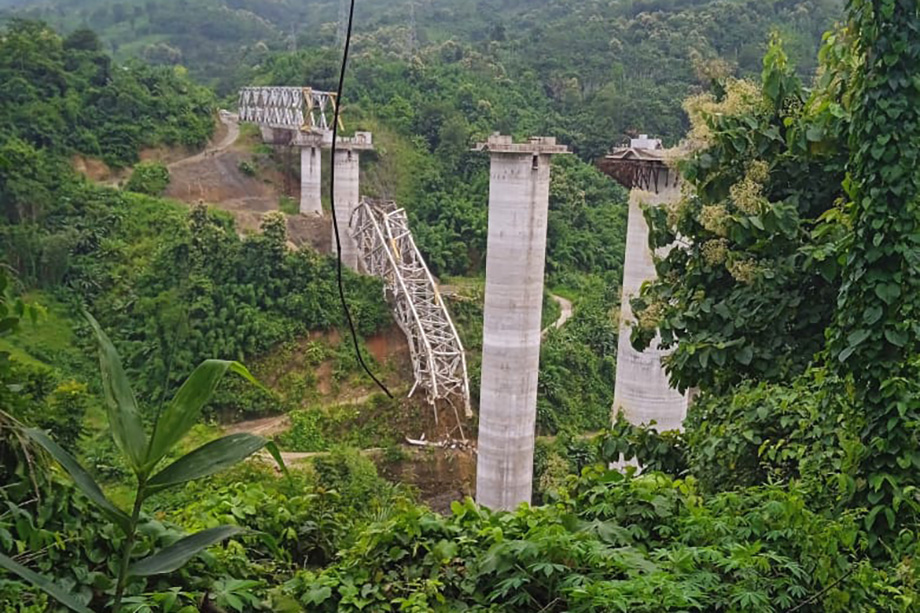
x=643 y=392
x=515 y=261
x=642 y=389
x=347 y=191
x=311 y=172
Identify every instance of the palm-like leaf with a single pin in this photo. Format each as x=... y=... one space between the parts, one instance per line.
x=44 y=584
x=81 y=478
x=173 y=557
x=124 y=418
x=208 y=459
x=185 y=409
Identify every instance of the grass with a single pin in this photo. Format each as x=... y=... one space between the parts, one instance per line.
x=371 y=424
x=50 y=340
x=288 y=205
x=565 y=292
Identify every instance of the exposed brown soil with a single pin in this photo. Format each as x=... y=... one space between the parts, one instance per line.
x=266 y=426
x=389 y=345
x=310 y=230
x=167 y=155
x=100 y=172
x=97 y=170
x=324 y=378
x=214 y=176
x=441 y=475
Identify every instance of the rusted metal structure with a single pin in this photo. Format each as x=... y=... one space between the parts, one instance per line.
x=641 y=165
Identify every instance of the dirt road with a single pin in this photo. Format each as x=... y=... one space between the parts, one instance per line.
x=567 y=308
x=228 y=119
x=215 y=176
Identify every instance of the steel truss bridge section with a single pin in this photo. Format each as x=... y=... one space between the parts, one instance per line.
x=288 y=108
x=387 y=250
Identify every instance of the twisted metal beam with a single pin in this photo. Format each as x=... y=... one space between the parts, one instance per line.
x=387 y=250
x=287 y=108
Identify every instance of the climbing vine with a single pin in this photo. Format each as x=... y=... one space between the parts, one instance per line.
x=877 y=328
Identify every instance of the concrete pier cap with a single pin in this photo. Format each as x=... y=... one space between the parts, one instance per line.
x=362 y=141
x=538 y=145
x=515 y=263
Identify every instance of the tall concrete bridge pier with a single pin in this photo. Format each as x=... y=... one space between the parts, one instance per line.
x=515 y=261
x=311 y=174
x=347 y=190
x=642 y=390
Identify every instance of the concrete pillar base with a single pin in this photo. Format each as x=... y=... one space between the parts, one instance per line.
x=642 y=390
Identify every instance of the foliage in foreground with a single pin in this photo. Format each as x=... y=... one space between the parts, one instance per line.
x=876 y=333
x=613 y=543
x=144 y=454
x=749 y=287
x=752 y=223
x=284 y=524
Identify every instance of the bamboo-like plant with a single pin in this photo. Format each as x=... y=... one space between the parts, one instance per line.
x=144 y=454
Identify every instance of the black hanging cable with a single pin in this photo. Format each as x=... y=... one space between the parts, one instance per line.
x=335 y=221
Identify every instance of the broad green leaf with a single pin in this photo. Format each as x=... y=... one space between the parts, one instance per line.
x=889 y=292
x=176 y=555
x=855 y=338
x=44 y=584
x=124 y=418
x=185 y=408
x=81 y=478
x=276 y=454
x=898 y=338
x=208 y=459
x=745 y=355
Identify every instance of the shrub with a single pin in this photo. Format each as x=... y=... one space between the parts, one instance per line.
x=611 y=542
x=247 y=168
x=149 y=178
x=773 y=433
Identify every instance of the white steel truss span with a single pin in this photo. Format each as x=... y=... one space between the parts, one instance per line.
x=387 y=250
x=288 y=108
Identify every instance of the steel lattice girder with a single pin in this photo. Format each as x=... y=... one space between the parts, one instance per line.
x=387 y=250
x=288 y=108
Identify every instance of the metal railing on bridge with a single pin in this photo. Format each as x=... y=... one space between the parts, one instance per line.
x=287 y=108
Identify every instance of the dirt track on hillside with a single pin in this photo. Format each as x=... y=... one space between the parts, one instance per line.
x=214 y=176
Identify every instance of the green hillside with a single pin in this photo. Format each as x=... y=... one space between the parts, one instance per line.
x=141 y=335
x=605 y=67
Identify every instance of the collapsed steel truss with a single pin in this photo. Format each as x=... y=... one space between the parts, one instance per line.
x=387 y=250
x=287 y=108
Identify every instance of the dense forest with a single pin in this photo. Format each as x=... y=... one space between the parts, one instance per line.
x=126 y=317
x=603 y=68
